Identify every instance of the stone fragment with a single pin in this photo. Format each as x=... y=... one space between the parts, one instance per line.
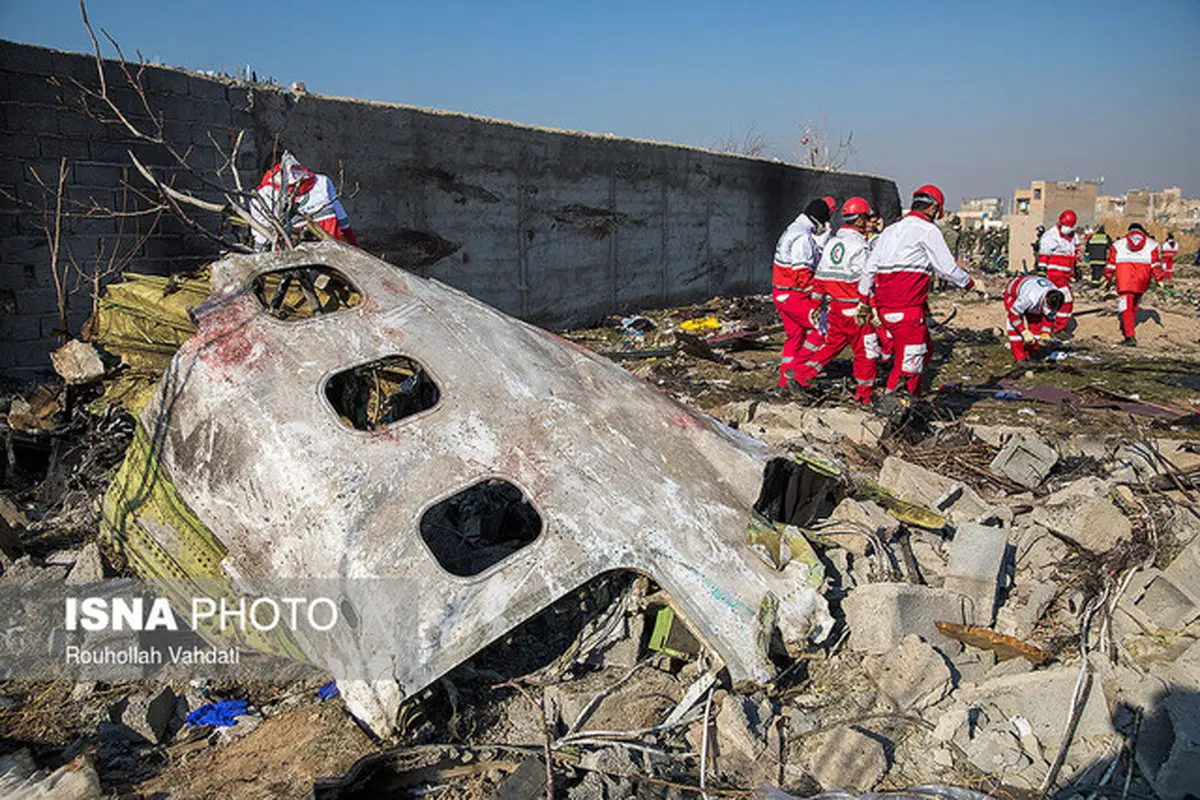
x=860 y=513
x=976 y=559
x=1026 y=460
x=1168 y=746
x=78 y=363
x=911 y=673
x=847 y=758
x=1082 y=514
x=89 y=566
x=880 y=615
x=959 y=502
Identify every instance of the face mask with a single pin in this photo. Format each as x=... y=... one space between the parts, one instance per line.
x=1066 y=229
x=1137 y=239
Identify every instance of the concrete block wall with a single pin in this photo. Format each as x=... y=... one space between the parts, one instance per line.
x=555 y=227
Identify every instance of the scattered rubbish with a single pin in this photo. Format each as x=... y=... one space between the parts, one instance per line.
x=700 y=324
x=221 y=714
x=328 y=691
x=637 y=325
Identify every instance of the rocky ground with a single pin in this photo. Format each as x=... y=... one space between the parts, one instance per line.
x=1068 y=569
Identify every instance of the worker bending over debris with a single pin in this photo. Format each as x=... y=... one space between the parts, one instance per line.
x=1132 y=261
x=897 y=274
x=1031 y=302
x=796 y=256
x=299 y=201
x=836 y=281
x=1058 y=254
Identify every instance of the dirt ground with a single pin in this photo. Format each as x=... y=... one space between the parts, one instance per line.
x=280 y=758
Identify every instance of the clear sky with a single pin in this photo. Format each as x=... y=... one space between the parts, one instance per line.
x=978 y=97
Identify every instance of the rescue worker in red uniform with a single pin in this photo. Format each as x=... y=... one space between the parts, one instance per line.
x=1031 y=302
x=1058 y=253
x=796 y=256
x=1133 y=260
x=836 y=281
x=1170 y=249
x=295 y=198
x=897 y=274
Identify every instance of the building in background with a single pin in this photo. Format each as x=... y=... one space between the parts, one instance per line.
x=982 y=212
x=1169 y=207
x=1040 y=204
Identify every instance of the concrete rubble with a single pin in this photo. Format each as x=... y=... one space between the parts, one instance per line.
x=1025 y=459
x=750 y=599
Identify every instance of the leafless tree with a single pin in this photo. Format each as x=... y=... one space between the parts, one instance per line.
x=752 y=143
x=823 y=147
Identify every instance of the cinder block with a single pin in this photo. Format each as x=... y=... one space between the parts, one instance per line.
x=93 y=173
x=1026 y=460
x=165 y=81
x=59 y=147
x=18 y=145
x=880 y=615
x=976 y=559
x=36 y=89
x=25 y=58
x=209 y=89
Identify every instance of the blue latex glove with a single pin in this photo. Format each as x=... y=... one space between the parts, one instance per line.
x=328 y=691
x=220 y=714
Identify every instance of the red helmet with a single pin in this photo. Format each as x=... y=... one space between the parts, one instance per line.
x=1067 y=219
x=931 y=192
x=855 y=206
x=829 y=201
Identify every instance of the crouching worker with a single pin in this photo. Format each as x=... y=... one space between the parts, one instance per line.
x=1031 y=302
x=1132 y=261
x=836 y=281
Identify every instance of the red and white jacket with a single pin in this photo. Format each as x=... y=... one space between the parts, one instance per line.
x=1058 y=253
x=903 y=259
x=1026 y=294
x=308 y=197
x=796 y=256
x=1169 y=249
x=841 y=267
x=1133 y=260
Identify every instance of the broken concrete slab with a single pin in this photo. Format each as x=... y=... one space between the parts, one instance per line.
x=846 y=758
x=157 y=717
x=20 y=779
x=959 y=502
x=865 y=516
x=1025 y=459
x=995 y=435
x=88 y=566
x=741 y=728
x=976 y=560
x=1082 y=514
x=1168 y=747
x=602 y=472
x=913 y=675
x=1044 y=699
x=1020 y=613
x=880 y=615
x=782 y=423
x=78 y=363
